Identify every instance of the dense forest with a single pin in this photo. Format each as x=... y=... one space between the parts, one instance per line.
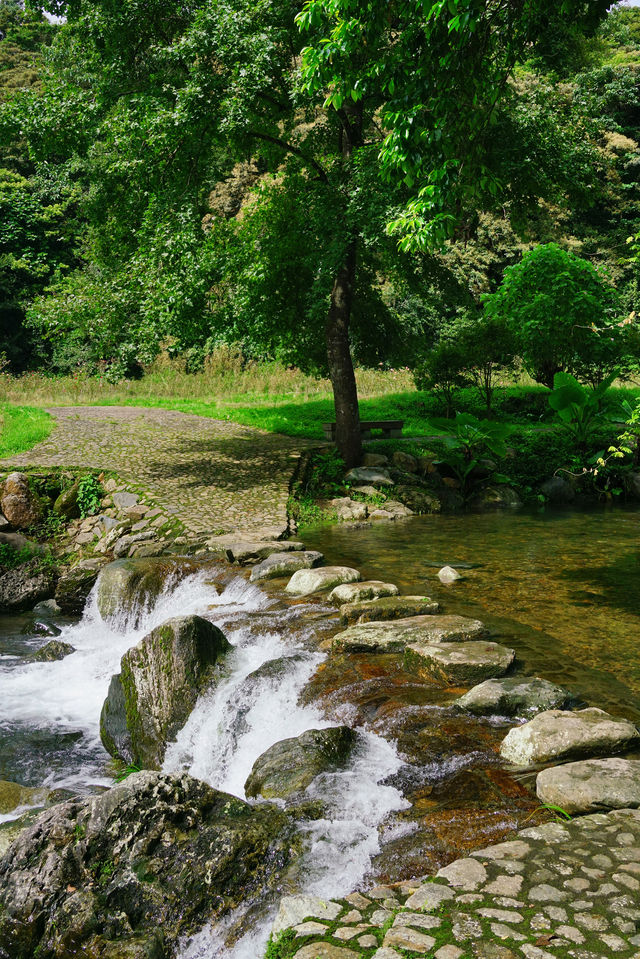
x=457 y=193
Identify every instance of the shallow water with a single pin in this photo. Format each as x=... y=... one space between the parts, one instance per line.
x=562 y=587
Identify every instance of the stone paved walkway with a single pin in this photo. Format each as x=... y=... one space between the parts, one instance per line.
x=212 y=475
x=558 y=890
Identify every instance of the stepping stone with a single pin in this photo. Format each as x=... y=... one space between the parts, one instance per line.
x=307 y=581
x=459 y=664
x=284 y=564
x=387 y=608
x=556 y=735
x=394 y=637
x=357 y=592
x=591 y=786
x=513 y=696
x=251 y=552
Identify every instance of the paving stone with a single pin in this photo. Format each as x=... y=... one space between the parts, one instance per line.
x=464 y=874
x=448 y=952
x=324 y=950
x=367 y=942
x=294 y=909
x=358 y=900
x=615 y=943
x=505 y=886
x=379 y=917
x=506 y=932
x=386 y=952
x=547 y=893
x=417 y=919
x=406 y=938
x=349 y=932
x=429 y=897
x=503 y=915
x=591 y=923
x=353 y=916
x=309 y=928
x=570 y=932
x=465 y=927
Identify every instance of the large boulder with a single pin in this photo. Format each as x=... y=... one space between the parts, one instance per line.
x=459 y=664
x=160 y=679
x=555 y=735
x=558 y=490
x=356 y=592
x=289 y=766
x=66 y=505
x=513 y=696
x=73 y=588
x=129 y=586
x=19 y=503
x=52 y=651
x=496 y=497
x=387 y=608
x=394 y=637
x=23 y=587
x=126 y=874
x=307 y=581
x=591 y=786
x=285 y=564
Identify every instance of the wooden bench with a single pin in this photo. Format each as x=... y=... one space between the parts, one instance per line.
x=391 y=429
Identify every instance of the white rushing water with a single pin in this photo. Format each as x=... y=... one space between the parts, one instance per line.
x=254 y=705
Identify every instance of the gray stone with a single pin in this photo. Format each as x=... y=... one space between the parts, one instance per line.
x=125 y=500
x=513 y=696
x=459 y=664
x=558 y=490
x=251 y=552
x=356 y=592
x=465 y=874
x=417 y=630
x=13 y=796
x=376 y=476
x=19 y=504
x=284 y=564
x=157 y=688
x=555 y=735
x=294 y=909
x=23 y=587
x=123 y=546
x=129 y=586
x=325 y=950
x=429 y=897
x=375 y=459
x=403 y=937
x=307 y=581
x=347 y=509
x=591 y=785
x=290 y=765
x=73 y=588
x=448 y=575
x=387 y=608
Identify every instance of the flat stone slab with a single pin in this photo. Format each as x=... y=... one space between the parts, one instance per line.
x=373 y=475
x=252 y=552
x=307 y=581
x=294 y=909
x=284 y=564
x=592 y=785
x=513 y=696
x=357 y=592
x=387 y=608
x=393 y=637
x=459 y=664
x=556 y=735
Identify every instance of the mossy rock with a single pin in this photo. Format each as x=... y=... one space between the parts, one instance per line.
x=288 y=767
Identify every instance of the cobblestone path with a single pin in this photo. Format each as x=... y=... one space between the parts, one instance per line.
x=559 y=890
x=214 y=476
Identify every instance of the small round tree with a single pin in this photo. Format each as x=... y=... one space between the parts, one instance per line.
x=562 y=313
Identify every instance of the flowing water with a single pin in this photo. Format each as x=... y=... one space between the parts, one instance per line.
x=425 y=784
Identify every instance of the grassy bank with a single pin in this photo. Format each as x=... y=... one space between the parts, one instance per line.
x=21 y=427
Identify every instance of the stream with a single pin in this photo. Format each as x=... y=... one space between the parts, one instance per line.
x=426 y=784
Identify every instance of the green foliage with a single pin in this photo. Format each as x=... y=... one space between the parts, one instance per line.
x=562 y=313
x=445 y=371
x=469 y=443
x=580 y=410
x=326 y=475
x=89 y=495
x=284 y=946
x=11 y=557
x=21 y=427
x=126 y=770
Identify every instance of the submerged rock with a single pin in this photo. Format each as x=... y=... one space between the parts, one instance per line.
x=448 y=575
x=23 y=587
x=556 y=735
x=387 y=608
x=459 y=664
x=356 y=592
x=289 y=766
x=19 y=503
x=130 y=585
x=284 y=564
x=394 y=637
x=160 y=679
x=591 y=786
x=127 y=873
x=513 y=696
x=307 y=581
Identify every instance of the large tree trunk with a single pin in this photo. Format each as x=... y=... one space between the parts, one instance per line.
x=343 y=380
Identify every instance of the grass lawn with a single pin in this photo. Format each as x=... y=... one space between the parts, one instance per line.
x=21 y=427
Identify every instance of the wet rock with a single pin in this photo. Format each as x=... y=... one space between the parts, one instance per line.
x=289 y=766
x=459 y=664
x=252 y=552
x=52 y=652
x=158 y=687
x=556 y=735
x=128 y=586
x=369 y=475
x=153 y=853
x=13 y=796
x=448 y=575
x=387 y=608
x=66 y=505
x=558 y=490
x=307 y=581
x=393 y=637
x=591 y=786
x=23 y=587
x=513 y=696
x=40 y=627
x=356 y=592
x=496 y=497
x=348 y=510
x=73 y=588
x=19 y=503
x=284 y=564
